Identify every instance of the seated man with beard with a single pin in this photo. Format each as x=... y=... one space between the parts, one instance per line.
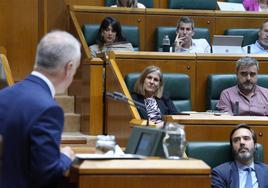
x=243 y=172
x=246 y=98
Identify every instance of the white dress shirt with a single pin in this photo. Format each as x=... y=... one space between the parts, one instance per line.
x=198 y=46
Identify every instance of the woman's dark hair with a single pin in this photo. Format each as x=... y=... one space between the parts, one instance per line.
x=116 y=26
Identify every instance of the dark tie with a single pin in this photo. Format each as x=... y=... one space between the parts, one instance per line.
x=249 y=179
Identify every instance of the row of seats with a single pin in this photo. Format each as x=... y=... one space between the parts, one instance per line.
x=133 y=36
x=178 y=86
x=181 y=4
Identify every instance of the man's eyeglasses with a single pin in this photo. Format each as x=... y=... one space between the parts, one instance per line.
x=245 y=74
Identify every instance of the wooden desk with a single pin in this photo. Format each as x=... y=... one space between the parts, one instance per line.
x=156 y=173
x=204 y=127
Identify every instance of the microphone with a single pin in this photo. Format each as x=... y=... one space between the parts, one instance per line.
x=117 y=96
x=123 y=97
x=249 y=49
x=236 y=108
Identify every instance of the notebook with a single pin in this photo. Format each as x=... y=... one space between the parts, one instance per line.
x=227 y=44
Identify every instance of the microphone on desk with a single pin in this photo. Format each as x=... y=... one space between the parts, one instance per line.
x=117 y=96
x=236 y=108
x=248 y=49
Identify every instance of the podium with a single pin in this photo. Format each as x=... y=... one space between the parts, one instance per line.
x=144 y=173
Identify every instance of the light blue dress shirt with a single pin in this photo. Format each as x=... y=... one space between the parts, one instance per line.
x=255 y=48
x=243 y=175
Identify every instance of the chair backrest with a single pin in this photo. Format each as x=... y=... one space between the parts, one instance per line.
x=250 y=35
x=131 y=33
x=216 y=153
x=193 y=4
x=234 y=1
x=171 y=32
x=6 y=78
x=216 y=83
x=177 y=85
x=146 y=3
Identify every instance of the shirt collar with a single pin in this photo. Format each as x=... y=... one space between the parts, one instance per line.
x=241 y=93
x=46 y=80
x=241 y=166
x=191 y=47
x=260 y=46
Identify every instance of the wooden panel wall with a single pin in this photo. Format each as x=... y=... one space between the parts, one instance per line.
x=22 y=23
x=19 y=33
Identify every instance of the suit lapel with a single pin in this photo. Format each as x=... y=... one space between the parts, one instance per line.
x=259 y=175
x=234 y=177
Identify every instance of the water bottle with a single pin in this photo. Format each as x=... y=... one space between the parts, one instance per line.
x=166 y=44
x=174 y=142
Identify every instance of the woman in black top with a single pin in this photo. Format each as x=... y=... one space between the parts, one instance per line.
x=148 y=90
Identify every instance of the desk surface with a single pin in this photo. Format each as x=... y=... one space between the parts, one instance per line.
x=211 y=119
x=144 y=166
x=157 y=173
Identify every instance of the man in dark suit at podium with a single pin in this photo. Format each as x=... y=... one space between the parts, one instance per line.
x=243 y=172
x=31 y=122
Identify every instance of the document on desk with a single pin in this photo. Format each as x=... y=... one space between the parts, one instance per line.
x=226 y=6
x=87 y=156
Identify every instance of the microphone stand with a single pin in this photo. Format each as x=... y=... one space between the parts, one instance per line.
x=117 y=96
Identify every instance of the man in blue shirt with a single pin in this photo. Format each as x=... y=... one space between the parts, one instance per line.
x=261 y=45
x=243 y=172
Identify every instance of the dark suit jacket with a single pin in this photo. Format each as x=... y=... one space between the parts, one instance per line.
x=165 y=105
x=226 y=175
x=31 y=123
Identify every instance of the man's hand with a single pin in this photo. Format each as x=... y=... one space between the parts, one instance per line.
x=179 y=41
x=68 y=152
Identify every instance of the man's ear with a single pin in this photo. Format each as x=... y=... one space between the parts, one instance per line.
x=193 y=33
x=68 y=67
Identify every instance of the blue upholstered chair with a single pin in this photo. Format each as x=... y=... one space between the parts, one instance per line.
x=171 y=32
x=131 y=33
x=193 y=4
x=216 y=83
x=250 y=35
x=216 y=153
x=146 y=3
x=177 y=85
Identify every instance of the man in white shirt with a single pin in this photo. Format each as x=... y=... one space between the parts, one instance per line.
x=184 y=42
x=261 y=45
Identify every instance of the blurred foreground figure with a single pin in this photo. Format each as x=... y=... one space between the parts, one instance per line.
x=31 y=120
